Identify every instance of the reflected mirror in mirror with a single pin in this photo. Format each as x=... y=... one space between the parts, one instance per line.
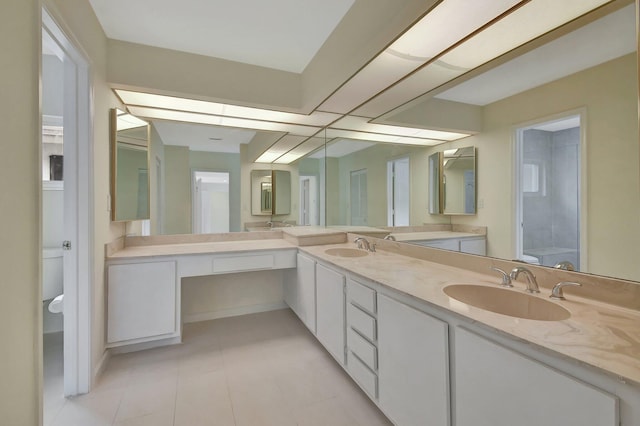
x=270 y=192
x=129 y=167
x=459 y=181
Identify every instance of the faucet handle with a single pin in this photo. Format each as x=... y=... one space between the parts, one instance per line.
x=506 y=279
x=557 y=293
x=372 y=247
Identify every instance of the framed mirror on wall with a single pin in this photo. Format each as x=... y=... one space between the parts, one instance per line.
x=129 y=151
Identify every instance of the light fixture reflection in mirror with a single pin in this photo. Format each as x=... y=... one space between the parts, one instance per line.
x=129 y=167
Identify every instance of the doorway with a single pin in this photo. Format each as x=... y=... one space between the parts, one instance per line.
x=548 y=192
x=398 y=192
x=210 y=204
x=358 y=186
x=308 y=200
x=66 y=94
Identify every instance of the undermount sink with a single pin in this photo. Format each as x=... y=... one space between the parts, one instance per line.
x=346 y=252
x=507 y=302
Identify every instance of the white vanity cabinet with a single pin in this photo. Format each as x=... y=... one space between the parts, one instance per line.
x=471 y=245
x=300 y=291
x=141 y=301
x=413 y=365
x=496 y=386
x=330 y=311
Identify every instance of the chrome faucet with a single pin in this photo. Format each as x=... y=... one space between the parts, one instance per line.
x=270 y=224
x=532 y=284
x=364 y=243
x=390 y=237
x=506 y=279
x=556 y=292
x=565 y=265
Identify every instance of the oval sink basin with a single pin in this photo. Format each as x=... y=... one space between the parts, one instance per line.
x=507 y=302
x=346 y=252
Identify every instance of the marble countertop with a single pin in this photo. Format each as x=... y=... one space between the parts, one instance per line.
x=200 y=248
x=432 y=235
x=600 y=335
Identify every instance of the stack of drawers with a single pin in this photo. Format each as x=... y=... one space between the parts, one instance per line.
x=362 y=351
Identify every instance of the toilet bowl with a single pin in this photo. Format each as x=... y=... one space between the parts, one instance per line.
x=530 y=259
x=52 y=277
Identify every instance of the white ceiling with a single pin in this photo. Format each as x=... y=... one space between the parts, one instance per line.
x=280 y=34
x=200 y=137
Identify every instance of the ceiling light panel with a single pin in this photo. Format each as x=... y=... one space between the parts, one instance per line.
x=526 y=23
x=363 y=125
x=320 y=119
x=300 y=151
x=190 y=117
x=445 y=25
x=376 y=137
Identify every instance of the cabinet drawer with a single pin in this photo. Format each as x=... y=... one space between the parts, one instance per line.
x=361 y=295
x=361 y=321
x=363 y=349
x=366 y=378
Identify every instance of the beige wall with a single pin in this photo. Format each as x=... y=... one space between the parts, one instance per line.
x=177 y=217
x=21 y=318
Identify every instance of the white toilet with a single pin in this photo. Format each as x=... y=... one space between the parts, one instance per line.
x=52 y=277
x=530 y=259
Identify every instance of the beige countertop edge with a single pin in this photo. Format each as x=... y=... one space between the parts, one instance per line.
x=603 y=336
x=200 y=248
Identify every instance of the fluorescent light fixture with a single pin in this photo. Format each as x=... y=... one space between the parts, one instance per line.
x=268 y=157
x=282 y=146
x=191 y=117
x=533 y=19
x=449 y=22
x=300 y=151
x=128 y=121
x=376 y=137
x=131 y=98
x=362 y=124
x=450 y=152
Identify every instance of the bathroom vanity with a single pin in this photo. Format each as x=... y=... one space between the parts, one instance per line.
x=419 y=354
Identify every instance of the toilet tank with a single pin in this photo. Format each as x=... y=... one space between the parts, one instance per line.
x=52 y=276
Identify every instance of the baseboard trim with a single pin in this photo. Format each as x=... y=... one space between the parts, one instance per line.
x=233 y=312
x=100 y=367
x=141 y=346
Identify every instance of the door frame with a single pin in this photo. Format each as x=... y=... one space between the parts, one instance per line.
x=78 y=266
x=391 y=190
x=517 y=207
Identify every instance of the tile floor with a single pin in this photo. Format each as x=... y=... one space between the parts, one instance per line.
x=260 y=369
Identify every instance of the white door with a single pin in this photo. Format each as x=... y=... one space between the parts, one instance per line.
x=78 y=183
x=358 y=186
x=210 y=202
x=398 y=190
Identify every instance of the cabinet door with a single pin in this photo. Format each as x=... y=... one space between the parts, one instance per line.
x=141 y=300
x=496 y=386
x=413 y=367
x=330 y=326
x=474 y=246
x=306 y=281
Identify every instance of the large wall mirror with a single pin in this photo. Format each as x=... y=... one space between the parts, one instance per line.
x=129 y=167
x=588 y=71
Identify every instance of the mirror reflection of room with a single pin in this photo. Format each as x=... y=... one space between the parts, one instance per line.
x=346 y=181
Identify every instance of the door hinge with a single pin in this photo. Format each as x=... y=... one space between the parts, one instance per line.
x=66 y=245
